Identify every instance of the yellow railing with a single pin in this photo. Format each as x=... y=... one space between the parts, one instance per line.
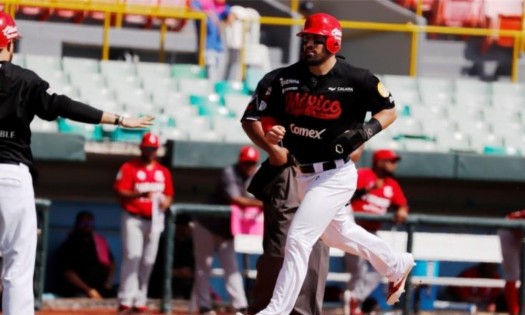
x=119 y=8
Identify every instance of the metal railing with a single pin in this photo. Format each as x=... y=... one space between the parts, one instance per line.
x=42 y=212
x=120 y=8
x=413 y=222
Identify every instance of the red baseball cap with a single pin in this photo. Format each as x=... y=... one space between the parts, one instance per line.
x=385 y=154
x=149 y=140
x=248 y=154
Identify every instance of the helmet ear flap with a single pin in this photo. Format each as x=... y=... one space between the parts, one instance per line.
x=332 y=45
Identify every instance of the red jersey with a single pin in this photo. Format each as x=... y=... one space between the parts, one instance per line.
x=376 y=200
x=135 y=176
x=520 y=214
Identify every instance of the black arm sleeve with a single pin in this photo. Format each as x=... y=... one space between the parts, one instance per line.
x=49 y=105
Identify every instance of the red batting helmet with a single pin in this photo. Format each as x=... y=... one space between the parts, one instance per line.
x=248 y=154
x=8 y=30
x=149 y=140
x=326 y=25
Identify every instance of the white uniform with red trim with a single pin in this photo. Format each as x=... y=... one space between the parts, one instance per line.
x=142 y=224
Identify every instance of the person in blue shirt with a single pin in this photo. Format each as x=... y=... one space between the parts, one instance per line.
x=218 y=11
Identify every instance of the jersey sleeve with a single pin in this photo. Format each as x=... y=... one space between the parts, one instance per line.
x=50 y=105
x=399 y=199
x=257 y=102
x=377 y=95
x=124 y=180
x=365 y=179
x=228 y=180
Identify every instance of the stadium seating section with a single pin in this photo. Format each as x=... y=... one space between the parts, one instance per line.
x=435 y=115
x=494 y=14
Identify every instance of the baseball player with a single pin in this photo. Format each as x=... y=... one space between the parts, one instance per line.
x=23 y=94
x=376 y=192
x=213 y=235
x=510 y=252
x=145 y=190
x=317 y=108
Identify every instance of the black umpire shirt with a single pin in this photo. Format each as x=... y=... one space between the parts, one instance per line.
x=23 y=94
x=316 y=109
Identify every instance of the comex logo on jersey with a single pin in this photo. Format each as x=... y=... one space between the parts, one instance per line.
x=306 y=132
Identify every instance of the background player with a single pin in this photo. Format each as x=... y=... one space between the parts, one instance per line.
x=23 y=94
x=145 y=190
x=318 y=107
x=376 y=193
x=510 y=252
x=212 y=234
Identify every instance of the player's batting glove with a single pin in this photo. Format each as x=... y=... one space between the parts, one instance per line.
x=350 y=140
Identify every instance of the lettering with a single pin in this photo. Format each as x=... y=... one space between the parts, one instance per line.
x=6 y=134
x=288 y=81
x=147 y=187
x=304 y=104
x=305 y=132
x=377 y=201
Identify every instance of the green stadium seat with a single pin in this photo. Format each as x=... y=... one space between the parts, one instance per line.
x=209 y=105
x=188 y=71
x=224 y=87
x=127 y=135
x=89 y=131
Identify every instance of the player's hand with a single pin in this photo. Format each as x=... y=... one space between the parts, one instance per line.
x=137 y=122
x=275 y=134
x=278 y=156
x=400 y=216
x=93 y=294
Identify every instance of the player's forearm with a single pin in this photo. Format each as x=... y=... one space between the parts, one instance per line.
x=73 y=278
x=386 y=117
x=246 y=202
x=254 y=131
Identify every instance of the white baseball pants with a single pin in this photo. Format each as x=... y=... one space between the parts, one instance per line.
x=322 y=213
x=140 y=243
x=510 y=250
x=18 y=239
x=206 y=244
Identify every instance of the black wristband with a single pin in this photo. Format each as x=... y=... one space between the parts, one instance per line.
x=117 y=118
x=371 y=128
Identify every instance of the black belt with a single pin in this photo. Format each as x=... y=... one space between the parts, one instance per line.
x=143 y=217
x=325 y=166
x=9 y=162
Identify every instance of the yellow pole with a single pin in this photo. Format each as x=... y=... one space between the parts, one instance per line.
x=419 y=8
x=515 y=57
x=242 y=56
x=120 y=14
x=162 y=48
x=202 y=41
x=294 y=5
x=413 y=52
x=105 y=40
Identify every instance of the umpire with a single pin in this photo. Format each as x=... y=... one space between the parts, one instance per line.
x=276 y=187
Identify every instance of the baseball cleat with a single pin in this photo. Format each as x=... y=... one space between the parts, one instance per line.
x=396 y=288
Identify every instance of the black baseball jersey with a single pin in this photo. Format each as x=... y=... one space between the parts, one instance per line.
x=23 y=94
x=316 y=109
x=252 y=109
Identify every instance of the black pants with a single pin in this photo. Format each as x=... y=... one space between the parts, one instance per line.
x=277 y=188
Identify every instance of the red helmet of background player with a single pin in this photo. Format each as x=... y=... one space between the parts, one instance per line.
x=248 y=154
x=385 y=154
x=8 y=30
x=325 y=25
x=149 y=140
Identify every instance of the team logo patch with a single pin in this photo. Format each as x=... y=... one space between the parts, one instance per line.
x=141 y=175
x=383 y=91
x=388 y=192
x=50 y=91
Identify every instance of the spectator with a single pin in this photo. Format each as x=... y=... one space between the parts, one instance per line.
x=377 y=191
x=86 y=263
x=218 y=12
x=213 y=234
x=145 y=190
x=510 y=251
x=485 y=298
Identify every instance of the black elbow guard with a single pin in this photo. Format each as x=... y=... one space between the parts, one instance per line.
x=350 y=140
